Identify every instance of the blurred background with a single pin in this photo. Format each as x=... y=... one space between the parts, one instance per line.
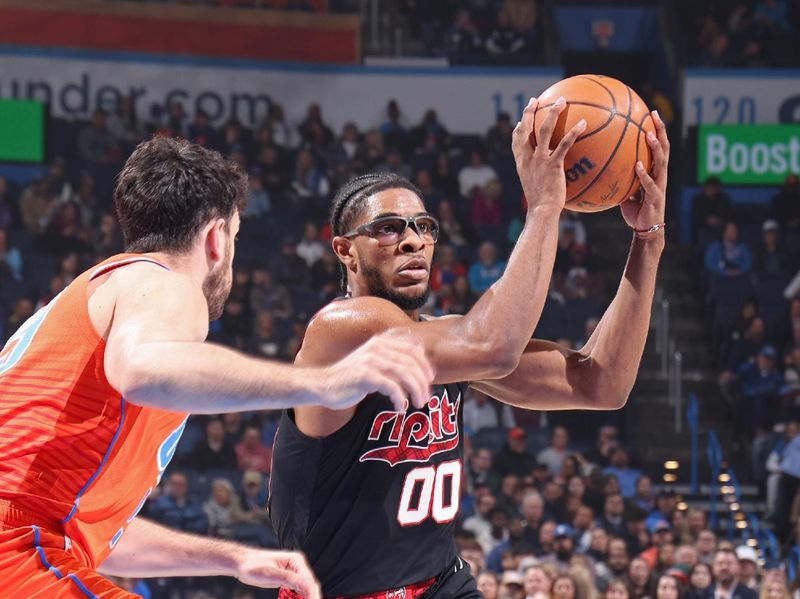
x=305 y=94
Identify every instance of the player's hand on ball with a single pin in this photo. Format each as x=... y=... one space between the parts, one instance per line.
x=390 y=364
x=540 y=170
x=641 y=214
x=273 y=569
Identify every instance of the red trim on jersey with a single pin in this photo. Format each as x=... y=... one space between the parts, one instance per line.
x=410 y=591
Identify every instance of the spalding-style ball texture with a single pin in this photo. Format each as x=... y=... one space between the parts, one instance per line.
x=600 y=166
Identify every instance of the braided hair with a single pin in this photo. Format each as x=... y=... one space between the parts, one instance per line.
x=352 y=197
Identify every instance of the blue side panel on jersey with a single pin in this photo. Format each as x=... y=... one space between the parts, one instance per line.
x=102 y=462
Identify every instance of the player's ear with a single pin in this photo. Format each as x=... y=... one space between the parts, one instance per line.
x=345 y=251
x=214 y=239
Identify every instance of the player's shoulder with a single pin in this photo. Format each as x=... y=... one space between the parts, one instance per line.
x=344 y=324
x=146 y=281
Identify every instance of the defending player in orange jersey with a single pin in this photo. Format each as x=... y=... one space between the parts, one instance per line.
x=96 y=388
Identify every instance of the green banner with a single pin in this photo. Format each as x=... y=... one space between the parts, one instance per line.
x=21 y=130
x=748 y=154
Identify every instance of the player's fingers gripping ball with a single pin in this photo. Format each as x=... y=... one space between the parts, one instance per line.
x=600 y=166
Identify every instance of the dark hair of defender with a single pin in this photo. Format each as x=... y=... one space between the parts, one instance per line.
x=352 y=197
x=169 y=189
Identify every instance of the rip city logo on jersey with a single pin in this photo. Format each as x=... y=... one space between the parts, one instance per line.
x=415 y=436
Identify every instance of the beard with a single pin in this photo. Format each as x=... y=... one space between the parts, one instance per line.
x=378 y=288
x=217 y=286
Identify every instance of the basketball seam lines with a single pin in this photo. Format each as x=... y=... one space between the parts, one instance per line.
x=601 y=107
x=613 y=153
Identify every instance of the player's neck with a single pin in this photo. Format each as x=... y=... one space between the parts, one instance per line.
x=412 y=314
x=188 y=264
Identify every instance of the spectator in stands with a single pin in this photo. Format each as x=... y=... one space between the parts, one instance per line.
x=536 y=582
x=348 y=149
x=644 y=496
x=258 y=200
x=23 y=310
x=639 y=579
x=617 y=559
x=772 y=259
x=36 y=206
x=96 y=144
x=453 y=230
x=775 y=588
x=486 y=212
x=473 y=176
x=463 y=42
x=223 y=510
x=612 y=520
x=788 y=484
x=616 y=589
x=487 y=269
x=201 y=132
x=394 y=164
x=504 y=43
x=274 y=174
x=309 y=181
x=10 y=259
x=532 y=508
x=627 y=476
x=759 y=384
x=725 y=568
x=718 y=54
x=660 y=535
x=251 y=453
x=728 y=257
x=124 y=124
x=607 y=439
x=706 y=546
x=745 y=348
x=511 y=585
x=700 y=580
x=310 y=247
x=785 y=205
x=313 y=129
x=479 y=469
x=665 y=506
x=265 y=294
x=264 y=342
x=8 y=206
x=711 y=209
x=234 y=139
x=480 y=411
x=393 y=131
x=444 y=178
x=325 y=276
x=446 y=267
x=254 y=497
x=107 y=237
x=488 y=585
x=668 y=587
x=177 y=120
x=685 y=557
x=282 y=133
x=498 y=138
x=513 y=458
x=554 y=455
x=213 y=452
x=288 y=267
x=748 y=567
x=565 y=587
x=175 y=509
x=696 y=522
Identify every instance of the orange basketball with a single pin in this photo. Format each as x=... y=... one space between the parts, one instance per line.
x=600 y=165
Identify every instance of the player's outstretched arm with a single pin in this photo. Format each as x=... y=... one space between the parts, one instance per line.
x=155 y=356
x=601 y=374
x=148 y=550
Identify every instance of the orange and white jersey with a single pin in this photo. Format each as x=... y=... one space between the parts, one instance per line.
x=75 y=456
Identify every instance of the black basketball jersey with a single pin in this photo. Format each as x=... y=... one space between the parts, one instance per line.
x=373 y=506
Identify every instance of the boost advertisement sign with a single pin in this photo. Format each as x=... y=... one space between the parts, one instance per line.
x=749 y=155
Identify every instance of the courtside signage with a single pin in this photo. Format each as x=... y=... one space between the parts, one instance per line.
x=740 y=97
x=754 y=155
x=74 y=83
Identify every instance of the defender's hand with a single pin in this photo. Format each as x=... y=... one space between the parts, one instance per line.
x=541 y=171
x=641 y=214
x=273 y=569
x=390 y=364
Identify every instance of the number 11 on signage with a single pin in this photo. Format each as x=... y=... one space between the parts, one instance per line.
x=521 y=99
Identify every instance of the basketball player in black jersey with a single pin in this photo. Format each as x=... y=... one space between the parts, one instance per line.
x=371 y=494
